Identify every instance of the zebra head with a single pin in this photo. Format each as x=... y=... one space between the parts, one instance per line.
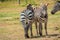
x=44 y=9
x=29 y=6
x=56 y=7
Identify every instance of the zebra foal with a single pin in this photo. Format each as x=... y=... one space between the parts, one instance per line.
x=41 y=16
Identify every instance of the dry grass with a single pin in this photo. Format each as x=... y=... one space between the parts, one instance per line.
x=11 y=28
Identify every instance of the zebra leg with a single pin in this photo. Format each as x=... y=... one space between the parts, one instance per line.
x=46 y=28
x=26 y=27
x=40 y=29
x=30 y=24
x=36 y=27
x=31 y=31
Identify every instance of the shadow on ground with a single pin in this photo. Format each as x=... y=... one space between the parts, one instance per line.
x=48 y=36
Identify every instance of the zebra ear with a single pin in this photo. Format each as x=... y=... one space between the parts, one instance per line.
x=47 y=4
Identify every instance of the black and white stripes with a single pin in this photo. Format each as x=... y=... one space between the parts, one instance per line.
x=26 y=14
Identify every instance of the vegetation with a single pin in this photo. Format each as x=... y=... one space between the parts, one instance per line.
x=11 y=28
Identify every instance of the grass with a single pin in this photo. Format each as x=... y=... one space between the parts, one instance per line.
x=11 y=28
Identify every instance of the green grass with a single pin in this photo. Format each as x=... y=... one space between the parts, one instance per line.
x=11 y=28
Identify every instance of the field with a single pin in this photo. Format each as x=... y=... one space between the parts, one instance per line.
x=11 y=28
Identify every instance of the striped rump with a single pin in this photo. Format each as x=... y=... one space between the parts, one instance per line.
x=26 y=15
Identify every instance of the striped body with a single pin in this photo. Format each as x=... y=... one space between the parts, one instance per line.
x=40 y=14
x=26 y=15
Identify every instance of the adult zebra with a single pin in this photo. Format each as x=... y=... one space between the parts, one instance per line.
x=26 y=19
x=56 y=7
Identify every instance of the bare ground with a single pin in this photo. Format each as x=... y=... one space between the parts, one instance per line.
x=13 y=30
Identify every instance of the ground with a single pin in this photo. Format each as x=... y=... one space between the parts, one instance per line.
x=11 y=28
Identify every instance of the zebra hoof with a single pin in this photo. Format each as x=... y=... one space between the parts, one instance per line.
x=40 y=34
x=26 y=36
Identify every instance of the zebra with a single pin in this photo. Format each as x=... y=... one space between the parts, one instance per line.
x=41 y=16
x=56 y=7
x=26 y=19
